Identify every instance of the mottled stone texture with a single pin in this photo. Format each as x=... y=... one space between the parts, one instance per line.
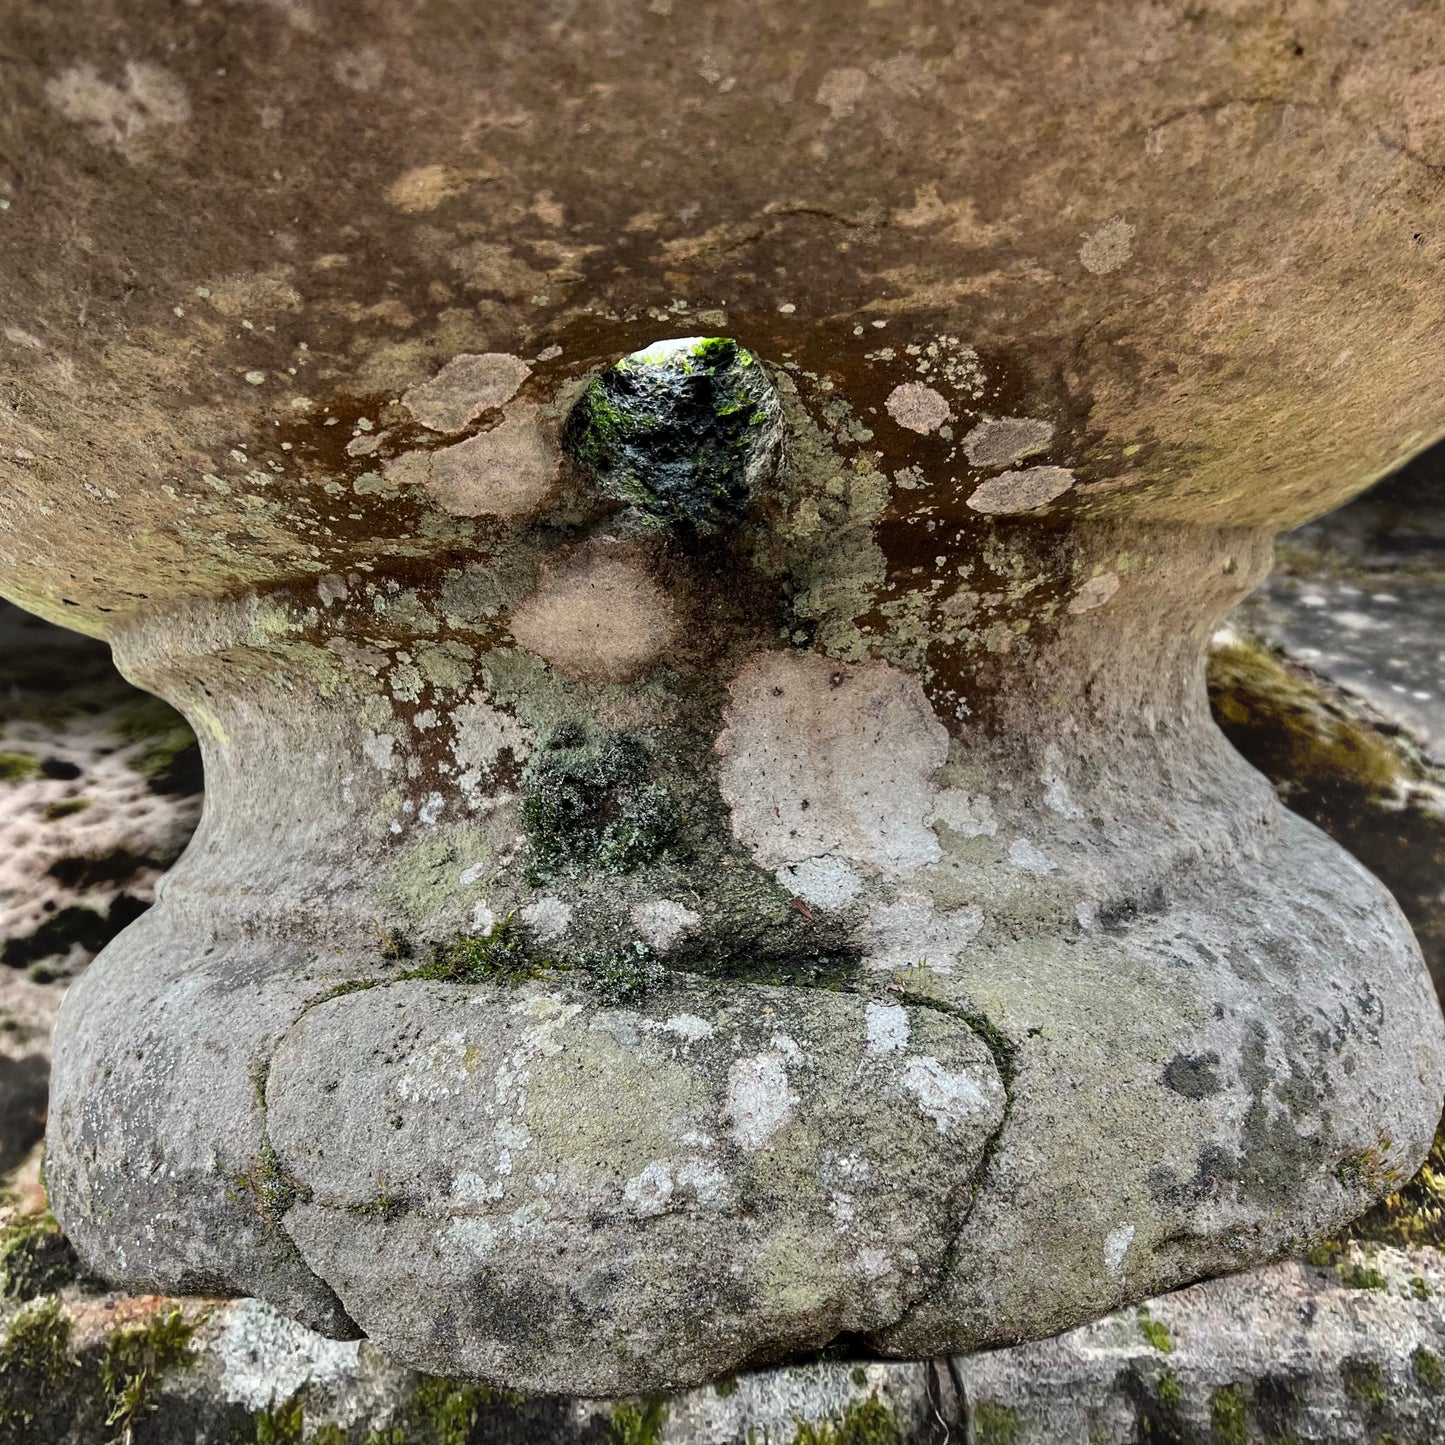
x=873 y=834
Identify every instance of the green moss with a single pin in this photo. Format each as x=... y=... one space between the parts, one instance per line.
x=35 y=1363
x=66 y=809
x=168 y=756
x=35 y=1258
x=76 y=924
x=995 y=1424
x=503 y=953
x=282 y=1424
x=682 y=430
x=624 y=974
x=393 y=945
x=384 y=1206
x=1366 y=786
x=136 y=1359
x=1156 y=1333
x=1414 y=1215
x=1289 y=720
x=437 y=1412
x=1369 y=1169
x=865 y=1422
x=1169 y=1394
x=440 y=1412
x=637 y=1425
x=1364 y=1382
x=16 y=767
x=274 y=1189
x=1363 y=1276
x=352 y=985
x=724 y=1389
x=1228 y=1421
x=1419 y=1288
x=590 y=805
x=1428 y=1370
x=1003 y=1048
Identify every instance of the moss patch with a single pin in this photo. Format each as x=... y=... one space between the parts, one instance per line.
x=437 y=1412
x=1228 y=1420
x=441 y=1412
x=637 y=1424
x=624 y=974
x=589 y=805
x=1362 y=784
x=16 y=767
x=169 y=757
x=1362 y=1276
x=683 y=430
x=77 y=924
x=504 y=953
x=1428 y=1372
x=1364 y=1382
x=67 y=808
x=267 y=1180
x=1414 y=1215
x=35 y=1362
x=35 y=1258
x=995 y=1424
x=135 y=1361
x=1157 y=1335
x=865 y=1422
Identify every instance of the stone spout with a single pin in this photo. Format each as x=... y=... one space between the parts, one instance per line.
x=689 y=547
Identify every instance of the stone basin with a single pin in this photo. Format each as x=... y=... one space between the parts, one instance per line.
x=689 y=547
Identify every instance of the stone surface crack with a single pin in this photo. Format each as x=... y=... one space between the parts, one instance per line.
x=276 y=1192
x=1005 y=1057
x=1343 y=113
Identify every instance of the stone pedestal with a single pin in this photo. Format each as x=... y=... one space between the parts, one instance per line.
x=706 y=858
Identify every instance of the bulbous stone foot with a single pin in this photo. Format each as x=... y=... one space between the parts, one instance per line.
x=714 y=838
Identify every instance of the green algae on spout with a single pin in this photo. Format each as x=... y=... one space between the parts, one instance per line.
x=685 y=430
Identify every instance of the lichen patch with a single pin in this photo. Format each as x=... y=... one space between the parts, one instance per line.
x=912 y=933
x=1002 y=441
x=663 y=922
x=597 y=615
x=548 y=919
x=760 y=1100
x=1108 y=248
x=1024 y=490
x=119 y=115
x=484 y=733
x=821 y=758
x=917 y=407
x=825 y=882
x=970 y=815
x=1093 y=593
x=464 y=388
x=886 y=1028
x=1027 y=857
x=950 y=1099
x=504 y=472
x=1116 y=1246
